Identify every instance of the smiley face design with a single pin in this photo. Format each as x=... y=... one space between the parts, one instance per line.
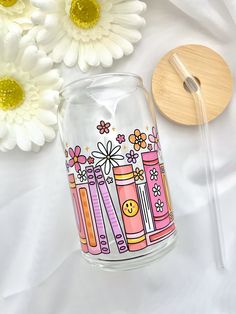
x=130 y=208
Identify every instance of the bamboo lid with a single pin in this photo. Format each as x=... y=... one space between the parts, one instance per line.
x=209 y=68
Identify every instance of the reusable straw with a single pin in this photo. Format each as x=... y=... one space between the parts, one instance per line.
x=194 y=88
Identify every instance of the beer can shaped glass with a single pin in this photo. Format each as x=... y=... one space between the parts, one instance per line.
x=116 y=173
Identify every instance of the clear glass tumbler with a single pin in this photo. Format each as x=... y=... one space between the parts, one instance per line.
x=116 y=173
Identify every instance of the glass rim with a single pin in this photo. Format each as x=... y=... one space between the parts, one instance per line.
x=101 y=75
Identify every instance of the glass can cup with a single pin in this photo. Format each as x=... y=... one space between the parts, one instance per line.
x=116 y=172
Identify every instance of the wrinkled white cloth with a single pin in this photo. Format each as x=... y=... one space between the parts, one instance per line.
x=41 y=271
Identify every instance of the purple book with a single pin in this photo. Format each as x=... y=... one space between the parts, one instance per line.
x=110 y=209
x=102 y=236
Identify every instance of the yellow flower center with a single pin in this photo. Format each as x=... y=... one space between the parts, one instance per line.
x=85 y=13
x=8 y=3
x=12 y=94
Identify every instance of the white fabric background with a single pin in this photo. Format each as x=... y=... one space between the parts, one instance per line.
x=41 y=271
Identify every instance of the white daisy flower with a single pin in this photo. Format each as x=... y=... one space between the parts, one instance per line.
x=153 y=174
x=29 y=94
x=15 y=13
x=156 y=190
x=108 y=156
x=159 y=206
x=82 y=175
x=88 y=32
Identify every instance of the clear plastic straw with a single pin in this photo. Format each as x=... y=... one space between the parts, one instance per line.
x=195 y=89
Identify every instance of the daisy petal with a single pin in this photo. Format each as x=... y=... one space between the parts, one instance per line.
x=22 y=138
x=129 y=7
x=48 y=132
x=114 y=49
x=29 y=58
x=11 y=46
x=109 y=147
x=98 y=155
x=60 y=48
x=107 y=167
x=133 y=20
x=131 y=35
x=47 y=117
x=101 y=162
x=43 y=65
x=115 y=150
x=35 y=134
x=102 y=148
x=104 y=55
x=3 y=130
x=71 y=56
x=91 y=54
x=123 y=43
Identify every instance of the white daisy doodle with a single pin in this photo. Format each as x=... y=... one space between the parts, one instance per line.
x=156 y=190
x=82 y=175
x=107 y=156
x=16 y=13
x=88 y=32
x=153 y=174
x=159 y=206
x=29 y=94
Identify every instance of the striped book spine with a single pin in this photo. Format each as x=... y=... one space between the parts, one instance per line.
x=131 y=214
x=156 y=189
x=145 y=205
x=78 y=214
x=88 y=219
x=110 y=210
x=97 y=210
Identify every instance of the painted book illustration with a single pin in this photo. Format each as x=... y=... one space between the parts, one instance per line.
x=120 y=192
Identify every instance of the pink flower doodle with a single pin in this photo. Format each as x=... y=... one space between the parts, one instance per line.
x=90 y=160
x=154 y=138
x=120 y=138
x=76 y=158
x=103 y=127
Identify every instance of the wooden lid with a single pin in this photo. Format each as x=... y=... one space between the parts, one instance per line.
x=214 y=75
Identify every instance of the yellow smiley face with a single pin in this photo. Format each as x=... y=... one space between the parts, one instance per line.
x=130 y=208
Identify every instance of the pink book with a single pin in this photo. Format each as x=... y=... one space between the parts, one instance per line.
x=160 y=235
x=88 y=219
x=129 y=204
x=156 y=189
x=78 y=214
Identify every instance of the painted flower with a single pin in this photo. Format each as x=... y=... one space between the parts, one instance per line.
x=88 y=32
x=132 y=157
x=90 y=160
x=138 y=174
x=82 y=175
x=103 y=127
x=76 y=158
x=109 y=180
x=156 y=190
x=153 y=174
x=138 y=139
x=120 y=138
x=150 y=147
x=154 y=138
x=159 y=206
x=108 y=156
x=16 y=14
x=29 y=94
